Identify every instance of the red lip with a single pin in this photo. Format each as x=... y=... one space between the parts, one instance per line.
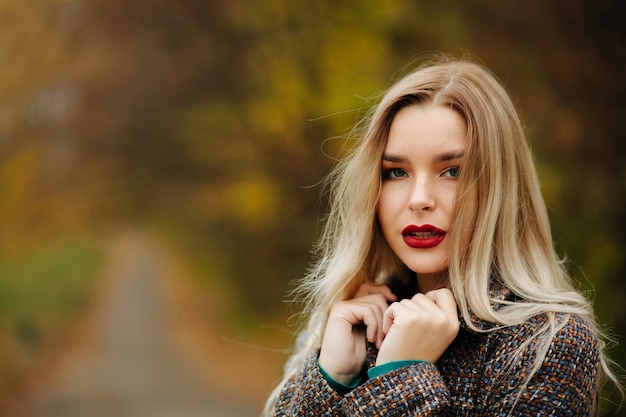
x=423 y=237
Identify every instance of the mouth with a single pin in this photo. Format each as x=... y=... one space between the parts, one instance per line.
x=423 y=237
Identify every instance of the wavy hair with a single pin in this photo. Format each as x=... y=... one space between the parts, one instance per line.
x=510 y=238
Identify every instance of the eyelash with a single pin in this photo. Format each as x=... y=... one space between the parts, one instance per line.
x=388 y=174
x=395 y=173
x=453 y=168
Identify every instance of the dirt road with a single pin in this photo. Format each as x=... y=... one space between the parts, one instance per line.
x=127 y=364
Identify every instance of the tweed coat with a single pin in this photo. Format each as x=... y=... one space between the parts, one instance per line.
x=474 y=377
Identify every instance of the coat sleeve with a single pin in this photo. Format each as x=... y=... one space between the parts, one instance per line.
x=307 y=393
x=564 y=385
x=415 y=390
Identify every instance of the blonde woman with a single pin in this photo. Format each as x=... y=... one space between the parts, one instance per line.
x=437 y=290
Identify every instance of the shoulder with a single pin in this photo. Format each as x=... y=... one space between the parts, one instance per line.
x=576 y=330
x=575 y=344
x=545 y=361
x=565 y=331
x=561 y=342
x=563 y=328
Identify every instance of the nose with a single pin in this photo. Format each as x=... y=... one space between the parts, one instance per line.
x=422 y=196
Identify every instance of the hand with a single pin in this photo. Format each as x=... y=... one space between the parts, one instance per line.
x=350 y=323
x=420 y=328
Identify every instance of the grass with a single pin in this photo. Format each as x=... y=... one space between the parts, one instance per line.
x=42 y=291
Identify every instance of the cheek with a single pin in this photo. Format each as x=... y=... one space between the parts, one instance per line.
x=449 y=200
x=389 y=198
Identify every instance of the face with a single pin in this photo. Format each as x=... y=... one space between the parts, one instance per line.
x=420 y=167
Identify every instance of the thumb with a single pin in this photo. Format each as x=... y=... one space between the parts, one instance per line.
x=389 y=317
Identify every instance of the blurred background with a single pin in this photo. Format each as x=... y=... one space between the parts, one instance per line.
x=197 y=132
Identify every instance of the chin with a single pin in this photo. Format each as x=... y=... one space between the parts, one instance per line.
x=432 y=268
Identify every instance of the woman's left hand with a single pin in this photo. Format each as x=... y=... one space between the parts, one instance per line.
x=420 y=328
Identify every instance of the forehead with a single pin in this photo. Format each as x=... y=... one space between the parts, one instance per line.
x=426 y=128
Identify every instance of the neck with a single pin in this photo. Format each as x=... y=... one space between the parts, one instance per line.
x=431 y=282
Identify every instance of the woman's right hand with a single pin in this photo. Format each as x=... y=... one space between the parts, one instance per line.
x=350 y=323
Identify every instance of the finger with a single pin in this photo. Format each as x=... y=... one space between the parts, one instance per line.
x=372 y=324
x=392 y=312
x=385 y=291
x=429 y=311
x=368 y=288
x=371 y=315
x=363 y=290
x=420 y=302
x=388 y=317
x=444 y=299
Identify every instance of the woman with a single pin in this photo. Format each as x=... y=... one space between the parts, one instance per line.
x=437 y=290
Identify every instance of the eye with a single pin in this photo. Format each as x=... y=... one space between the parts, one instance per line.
x=393 y=173
x=452 y=172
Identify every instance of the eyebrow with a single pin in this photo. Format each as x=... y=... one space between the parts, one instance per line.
x=442 y=157
x=450 y=156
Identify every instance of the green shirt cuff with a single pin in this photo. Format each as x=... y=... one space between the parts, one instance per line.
x=341 y=389
x=390 y=366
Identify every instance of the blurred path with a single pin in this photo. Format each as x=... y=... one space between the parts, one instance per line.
x=129 y=366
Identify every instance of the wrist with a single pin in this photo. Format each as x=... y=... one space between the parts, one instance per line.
x=341 y=388
x=336 y=373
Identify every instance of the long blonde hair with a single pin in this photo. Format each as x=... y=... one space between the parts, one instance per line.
x=510 y=237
